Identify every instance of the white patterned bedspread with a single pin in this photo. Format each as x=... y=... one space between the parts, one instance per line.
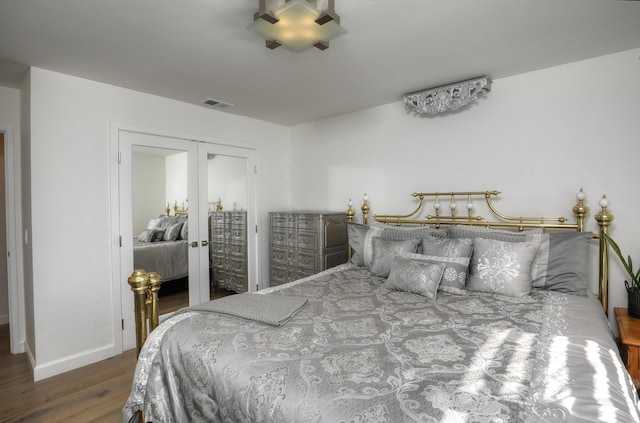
x=358 y=352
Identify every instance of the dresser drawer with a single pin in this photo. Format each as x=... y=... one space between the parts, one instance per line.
x=238 y=233
x=278 y=275
x=280 y=220
x=237 y=249
x=307 y=240
x=307 y=261
x=218 y=219
x=237 y=266
x=307 y=221
x=279 y=256
x=280 y=237
x=238 y=219
x=217 y=247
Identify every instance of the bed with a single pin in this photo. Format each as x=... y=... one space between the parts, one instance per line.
x=452 y=319
x=162 y=247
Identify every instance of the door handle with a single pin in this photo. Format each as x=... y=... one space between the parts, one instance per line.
x=205 y=243
x=194 y=244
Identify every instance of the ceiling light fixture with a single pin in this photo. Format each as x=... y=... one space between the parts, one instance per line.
x=297 y=25
x=446 y=98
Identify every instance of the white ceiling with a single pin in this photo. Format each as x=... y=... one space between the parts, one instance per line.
x=190 y=50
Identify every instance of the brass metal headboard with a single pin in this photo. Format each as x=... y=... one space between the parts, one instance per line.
x=440 y=217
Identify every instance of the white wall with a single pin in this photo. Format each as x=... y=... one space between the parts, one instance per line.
x=70 y=193
x=177 y=180
x=227 y=182
x=148 y=173
x=537 y=137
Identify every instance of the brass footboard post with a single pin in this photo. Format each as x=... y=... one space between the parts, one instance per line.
x=145 y=289
x=604 y=219
x=154 y=313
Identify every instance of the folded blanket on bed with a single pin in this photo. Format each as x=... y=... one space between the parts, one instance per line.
x=274 y=310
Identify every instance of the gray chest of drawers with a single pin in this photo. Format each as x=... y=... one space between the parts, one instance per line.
x=229 y=250
x=304 y=243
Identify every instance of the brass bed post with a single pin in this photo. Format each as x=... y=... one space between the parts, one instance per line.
x=152 y=301
x=365 y=208
x=145 y=287
x=580 y=210
x=604 y=219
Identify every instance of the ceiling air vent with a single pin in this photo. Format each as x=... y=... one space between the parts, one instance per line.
x=211 y=102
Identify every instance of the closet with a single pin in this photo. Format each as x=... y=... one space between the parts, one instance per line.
x=176 y=178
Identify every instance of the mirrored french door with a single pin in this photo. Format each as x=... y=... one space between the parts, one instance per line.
x=169 y=190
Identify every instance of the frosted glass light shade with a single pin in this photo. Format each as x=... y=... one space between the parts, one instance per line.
x=296 y=29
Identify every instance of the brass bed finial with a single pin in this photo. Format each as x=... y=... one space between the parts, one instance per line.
x=365 y=208
x=350 y=212
x=145 y=287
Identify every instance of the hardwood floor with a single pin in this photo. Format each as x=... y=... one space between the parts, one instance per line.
x=94 y=393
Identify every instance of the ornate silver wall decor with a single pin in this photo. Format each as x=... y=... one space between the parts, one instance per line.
x=446 y=98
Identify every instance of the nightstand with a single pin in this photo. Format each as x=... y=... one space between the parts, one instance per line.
x=629 y=328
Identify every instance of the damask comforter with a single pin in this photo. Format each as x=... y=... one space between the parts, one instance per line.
x=359 y=352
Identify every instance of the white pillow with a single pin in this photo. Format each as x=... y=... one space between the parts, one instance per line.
x=154 y=223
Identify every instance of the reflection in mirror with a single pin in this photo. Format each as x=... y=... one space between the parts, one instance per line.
x=160 y=205
x=227 y=197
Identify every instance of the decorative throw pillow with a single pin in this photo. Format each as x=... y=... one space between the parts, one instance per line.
x=412 y=232
x=172 y=232
x=454 y=276
x=384 y=250
x=158 y=235
x=466 y=231
x=562 y=262
x=154 y=223
x=357 y=233
x=184 y=231
x=146 y=235
x=415 y=276
x=460 y=247
x=501 y=267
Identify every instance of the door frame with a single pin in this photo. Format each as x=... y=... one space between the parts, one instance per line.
x=115 y=128
x=15 y=279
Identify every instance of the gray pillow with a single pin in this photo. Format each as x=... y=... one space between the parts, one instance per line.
x=384 y=250
x=454 y=276
x=417 y=277
x=184 y=232
x=172 y=232
x=562 y=262
x=360 y=241
x=158 y=235
x=357 y=233
x=460 y=247
x=501 y=267
x=412 y=232
x=465 y=231
x=146 y=235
